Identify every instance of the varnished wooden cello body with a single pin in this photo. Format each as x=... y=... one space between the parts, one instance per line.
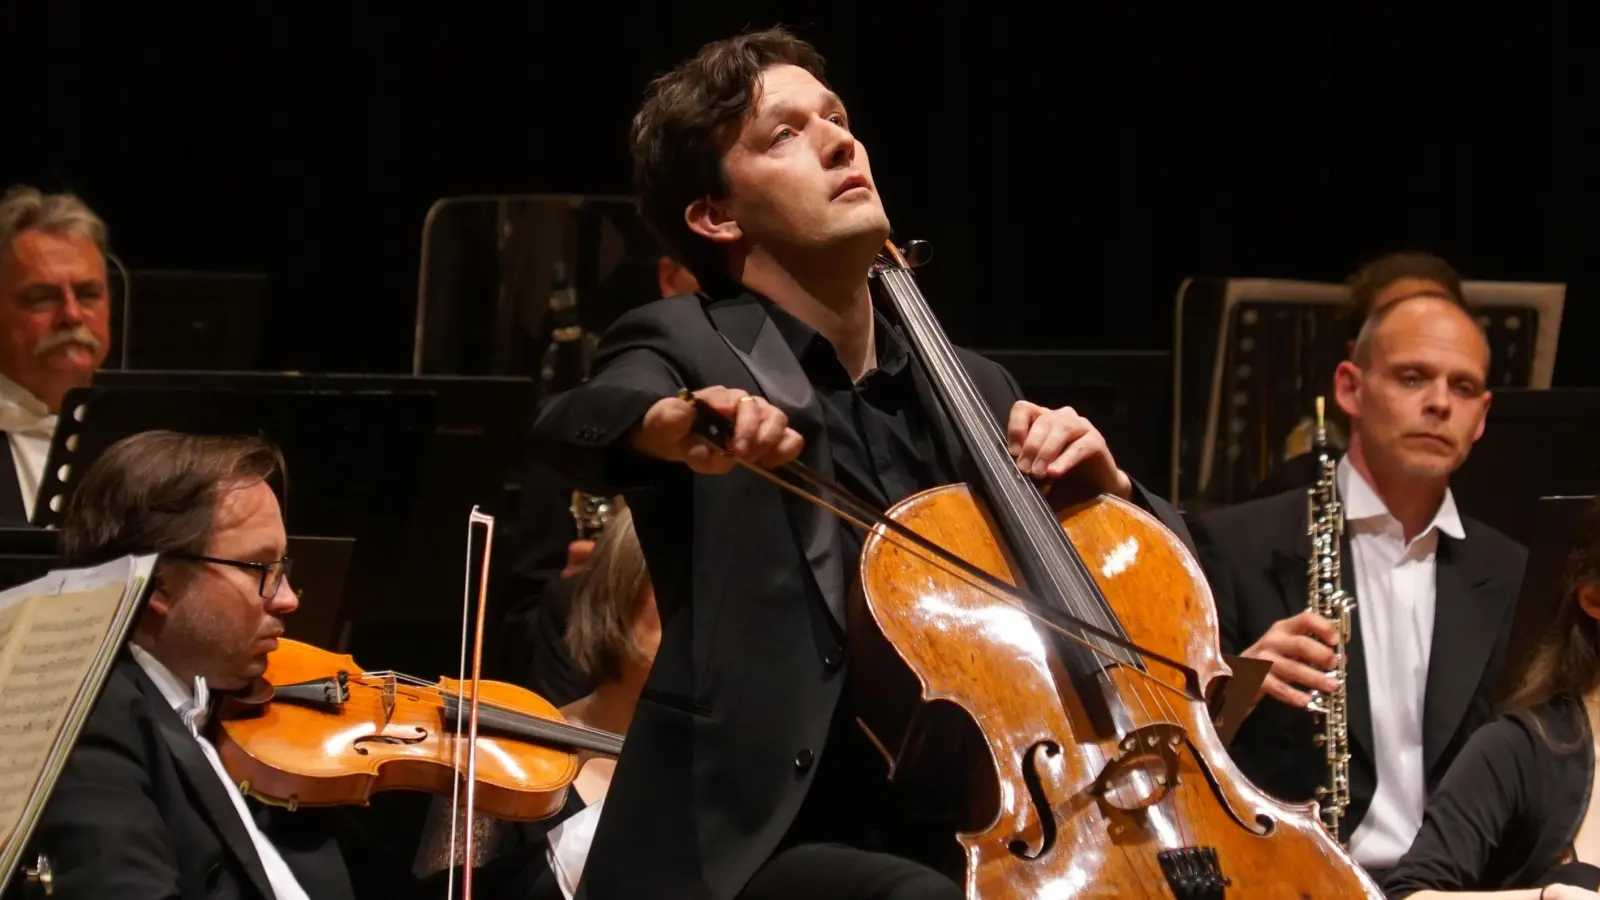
x=1087 y=767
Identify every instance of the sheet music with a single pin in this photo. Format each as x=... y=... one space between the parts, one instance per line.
x=54 y=636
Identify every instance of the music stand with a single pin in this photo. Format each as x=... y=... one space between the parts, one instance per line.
x=321 y=565
x=1543 y=582
x=25 y=554
x=406 y=570
x=1536 y=443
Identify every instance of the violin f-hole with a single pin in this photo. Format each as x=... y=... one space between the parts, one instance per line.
x=1043 y=810
x=391 y=739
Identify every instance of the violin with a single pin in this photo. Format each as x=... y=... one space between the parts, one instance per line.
x=317 y=730
x=1046 y=671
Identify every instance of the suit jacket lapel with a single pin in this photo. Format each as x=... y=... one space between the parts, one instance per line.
x=1290 y=568
x=745 y=326
x=203 y=782
x=1464 y=622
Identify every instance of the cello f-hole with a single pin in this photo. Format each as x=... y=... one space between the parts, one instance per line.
x=1042 y=808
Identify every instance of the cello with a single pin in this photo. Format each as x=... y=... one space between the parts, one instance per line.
x=1082 y=753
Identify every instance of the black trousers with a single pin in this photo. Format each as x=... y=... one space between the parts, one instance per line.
x=838 y=872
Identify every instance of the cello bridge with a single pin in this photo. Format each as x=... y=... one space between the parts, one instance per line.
x=1144 y=771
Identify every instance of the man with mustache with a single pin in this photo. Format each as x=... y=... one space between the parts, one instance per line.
x=144 y=807
x=1434 y=590
x=55 y=324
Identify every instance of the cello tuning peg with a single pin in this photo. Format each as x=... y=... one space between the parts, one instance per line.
x=917 y=253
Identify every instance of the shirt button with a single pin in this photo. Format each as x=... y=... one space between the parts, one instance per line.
x=803 y=760
x=833 y=659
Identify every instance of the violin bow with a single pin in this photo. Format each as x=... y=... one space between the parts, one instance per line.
x=457 y=814
x=716 y=429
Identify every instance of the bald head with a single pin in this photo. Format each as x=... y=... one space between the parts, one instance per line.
x=1433 y=317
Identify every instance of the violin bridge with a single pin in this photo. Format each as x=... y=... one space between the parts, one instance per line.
x=388 y=698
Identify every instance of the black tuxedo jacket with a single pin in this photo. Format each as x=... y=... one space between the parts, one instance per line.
x=750 y=582
x=139 y=813
x=1255 y=555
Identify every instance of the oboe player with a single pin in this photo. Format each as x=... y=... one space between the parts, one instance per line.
x=1433 y=590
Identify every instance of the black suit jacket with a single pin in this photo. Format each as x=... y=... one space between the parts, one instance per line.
x=750 y=583
x=1255 y=555
x=139 y=813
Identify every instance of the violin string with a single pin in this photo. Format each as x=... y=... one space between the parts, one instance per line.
x=413 y=681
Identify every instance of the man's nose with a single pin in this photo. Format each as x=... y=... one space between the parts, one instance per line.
x=839 y=147
x=70 y=312
x=285 y=601
x=1437 y=399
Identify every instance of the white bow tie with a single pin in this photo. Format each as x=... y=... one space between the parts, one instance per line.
x=194 y=712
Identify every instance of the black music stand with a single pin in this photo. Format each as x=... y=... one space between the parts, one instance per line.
x=405 y=577
x=26 y=553
x=1536 y=443
x=321 y=567
x=1543 y=582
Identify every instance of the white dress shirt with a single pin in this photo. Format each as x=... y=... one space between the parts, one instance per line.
x=190 y=704
x=1395 y=598
x=29 y=425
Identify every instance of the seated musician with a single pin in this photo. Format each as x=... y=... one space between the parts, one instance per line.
x=144 y=808
x=55 y=328
x=1385 y=280
x=611 y=635
x=1515 y=816
x=1433 y=589
x=744 y=774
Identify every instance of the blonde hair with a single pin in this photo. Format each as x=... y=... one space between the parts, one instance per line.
x=24 y=208
x=606 y=602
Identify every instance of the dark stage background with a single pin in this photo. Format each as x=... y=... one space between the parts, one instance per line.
x=1069 y=166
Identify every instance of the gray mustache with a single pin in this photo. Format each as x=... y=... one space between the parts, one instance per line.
x=78 y=335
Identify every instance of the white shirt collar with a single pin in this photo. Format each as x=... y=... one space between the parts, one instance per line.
x=1361 y=501
x=21 y=411
x=188 y=702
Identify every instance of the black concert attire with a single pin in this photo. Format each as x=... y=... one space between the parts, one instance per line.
x=140 y=812
x=1255 y=556
x=743 y=773
x=1506 y=813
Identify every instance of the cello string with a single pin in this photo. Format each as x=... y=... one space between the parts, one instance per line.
x=1047 y=544
x=916 y=545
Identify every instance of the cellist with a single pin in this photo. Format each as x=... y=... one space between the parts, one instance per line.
x=744 y=775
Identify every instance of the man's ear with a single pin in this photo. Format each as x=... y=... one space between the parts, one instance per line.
x=710 y=220
x=161 y=600
x=1347 y=387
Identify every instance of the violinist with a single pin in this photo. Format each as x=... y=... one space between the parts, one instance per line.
x=144 y=808
x=744 y=774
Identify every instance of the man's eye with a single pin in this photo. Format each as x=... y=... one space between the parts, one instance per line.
x=782 y=135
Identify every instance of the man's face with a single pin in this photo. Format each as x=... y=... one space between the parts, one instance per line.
x=55 y=311
x=796 y=175
x=1420 y=402
x=216 y=618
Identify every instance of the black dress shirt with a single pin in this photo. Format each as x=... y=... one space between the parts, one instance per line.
x=1508 y=810
x=883 y=451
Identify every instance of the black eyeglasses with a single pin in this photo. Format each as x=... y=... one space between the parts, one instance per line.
x=272 y=573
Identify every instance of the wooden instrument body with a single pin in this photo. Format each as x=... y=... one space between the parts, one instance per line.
x=310 y=755
x=963 y=691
